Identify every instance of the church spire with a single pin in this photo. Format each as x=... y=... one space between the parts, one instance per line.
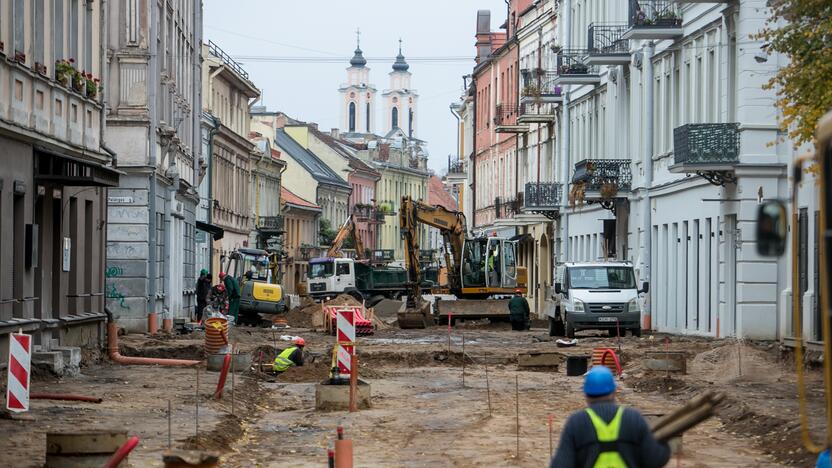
x=358 y=59
x=400 y=65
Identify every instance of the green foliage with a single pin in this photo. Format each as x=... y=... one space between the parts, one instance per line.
x=327 y=233
x=802 y=30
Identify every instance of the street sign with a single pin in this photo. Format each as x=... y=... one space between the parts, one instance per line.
x=17 y=386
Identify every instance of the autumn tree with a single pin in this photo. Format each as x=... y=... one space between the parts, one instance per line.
x=802 y=30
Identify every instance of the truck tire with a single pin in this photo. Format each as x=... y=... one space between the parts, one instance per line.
x=556 y=327
x=356 y=295
x=568 y=329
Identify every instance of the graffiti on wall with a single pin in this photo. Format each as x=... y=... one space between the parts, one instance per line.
x=112 y=291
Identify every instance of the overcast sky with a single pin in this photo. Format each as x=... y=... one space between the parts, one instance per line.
x=326 y=29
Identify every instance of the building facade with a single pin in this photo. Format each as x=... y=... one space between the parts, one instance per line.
x=154 y=93
x=228 y=93
x=266 y=173
x=300 y=240
x=57 y=169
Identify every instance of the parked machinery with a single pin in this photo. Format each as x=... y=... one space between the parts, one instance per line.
x=260 y=293
x=478 y=268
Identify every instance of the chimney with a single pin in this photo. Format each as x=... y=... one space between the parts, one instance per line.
x=335 y=133
x=281 y=120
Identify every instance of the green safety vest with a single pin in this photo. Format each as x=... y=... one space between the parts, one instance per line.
x=282 y=361
x=607 y=437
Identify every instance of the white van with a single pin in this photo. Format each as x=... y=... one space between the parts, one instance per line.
x=596 y=296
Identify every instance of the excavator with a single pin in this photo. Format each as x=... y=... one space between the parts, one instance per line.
x=477 y=268
x=347 y=230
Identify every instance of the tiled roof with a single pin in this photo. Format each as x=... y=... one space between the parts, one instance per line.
x=287 y=196
x=344 y=150
x=437 y=195
x=319 y=170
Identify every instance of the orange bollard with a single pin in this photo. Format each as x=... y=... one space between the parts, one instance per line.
x=152 y=323
x=167 y=324
x=343 y=454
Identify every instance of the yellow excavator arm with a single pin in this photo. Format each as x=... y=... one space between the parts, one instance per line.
x=347 y=229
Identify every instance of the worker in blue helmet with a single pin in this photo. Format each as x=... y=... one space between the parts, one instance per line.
x=605 y=435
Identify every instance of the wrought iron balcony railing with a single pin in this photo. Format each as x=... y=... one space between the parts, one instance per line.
x=456 y=167
x=539 y=83
x=270 y=223
x=505 y=115
x=504 y=208
x=654 y=14
x=596 y=174
x=542 y=196
x=707 y=144
x=574 y=62
x=216 y=51
x=367 y=213
x=606 y=39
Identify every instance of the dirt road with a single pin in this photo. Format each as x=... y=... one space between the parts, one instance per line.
x=421 y=413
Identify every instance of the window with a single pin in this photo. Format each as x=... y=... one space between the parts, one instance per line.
x=19 y=30
x=38 y=30
x=73 y=29
x=58 y=29
x=395 y=118
x=88 y=26
x=352 y=117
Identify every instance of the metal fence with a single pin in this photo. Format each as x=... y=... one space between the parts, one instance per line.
x=542 y=195
x=573 y=62
x=706 y=143
x=605 y=39
x=505 y=114
x=598 y=172
x=539 y=83
x=270 y=223
x=655 y=14
x=216 y=51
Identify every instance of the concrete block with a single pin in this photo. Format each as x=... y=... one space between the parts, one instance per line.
x=757 y=321
x=72 y=355
x=126 y=269
x=127 y=250
x=127 y=214
x=337 y=397
x=53 y=361
x=127 y=232
x=756 y=272
x=665 y=361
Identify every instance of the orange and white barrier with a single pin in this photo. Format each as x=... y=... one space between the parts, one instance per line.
x=20 y=364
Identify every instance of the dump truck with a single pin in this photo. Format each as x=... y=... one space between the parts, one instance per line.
x=482 y=271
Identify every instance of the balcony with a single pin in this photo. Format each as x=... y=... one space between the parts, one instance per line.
x=654 y=19
x=504 y=208
x=368 y=213
x=539 y=87
x=270 y=224
x=573 y=68
x=600 y=181
x=456 y=170
x=709 y=150
x=607 y=46
x=505 y=120
x=536 y=113
x=543 y=198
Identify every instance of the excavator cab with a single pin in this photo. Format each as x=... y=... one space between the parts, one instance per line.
x=489 y=264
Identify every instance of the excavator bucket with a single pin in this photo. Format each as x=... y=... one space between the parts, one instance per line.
x=417 y=317
x=472 y=309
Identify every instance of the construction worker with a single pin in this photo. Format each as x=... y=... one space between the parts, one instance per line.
x=518 y=310
x=606 y=435
x=291 y=356
x=232 y=288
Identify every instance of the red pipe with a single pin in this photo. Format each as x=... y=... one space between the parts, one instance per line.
x=122 y=452
x=112 y=349
x=614 y=358
x=64 y=396
x=226 y=363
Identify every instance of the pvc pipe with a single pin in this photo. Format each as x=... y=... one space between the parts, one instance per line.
x=122 y=452
x=343 y=453
x=152 y=323
x=115 y=356
x=64 y=397
x=226 y=363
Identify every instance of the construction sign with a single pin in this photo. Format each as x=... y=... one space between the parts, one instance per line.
x=346 y=337
x=20 y=358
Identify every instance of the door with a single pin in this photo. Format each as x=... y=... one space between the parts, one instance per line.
x=493 y=269
x=344 y=275
x=509 y=264
x=730 y=242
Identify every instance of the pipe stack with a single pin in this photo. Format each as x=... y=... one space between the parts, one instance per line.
x=695 y=411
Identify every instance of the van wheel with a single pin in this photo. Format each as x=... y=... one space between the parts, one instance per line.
x=636 y=332
x=569 y=330
x=555 y=327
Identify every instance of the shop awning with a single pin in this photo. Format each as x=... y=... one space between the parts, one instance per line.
x=75 y=172
x=216 y=232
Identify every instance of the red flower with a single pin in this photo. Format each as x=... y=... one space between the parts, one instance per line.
x=96 y=80
x=71 y=60
x=89 y=75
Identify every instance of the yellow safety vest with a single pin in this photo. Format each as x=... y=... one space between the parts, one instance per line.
x=282 y=361
x=607 y=436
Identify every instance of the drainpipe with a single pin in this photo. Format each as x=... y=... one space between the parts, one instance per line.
x=102 y=33
x=473 y=167
x=564 y=140
x=152 y=85
x=647 y=223
x=211 y=133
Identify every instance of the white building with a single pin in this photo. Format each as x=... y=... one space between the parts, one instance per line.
x=665 y=136
x=154 y=95
x=358 y=96
x=400 y=100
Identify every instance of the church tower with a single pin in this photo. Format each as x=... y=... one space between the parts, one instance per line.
x=357 y=95
x=400 y=100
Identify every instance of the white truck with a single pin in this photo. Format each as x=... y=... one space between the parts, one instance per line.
x=596 y=296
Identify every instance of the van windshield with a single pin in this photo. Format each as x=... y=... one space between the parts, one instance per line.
x=321 y=270
x=601 y=277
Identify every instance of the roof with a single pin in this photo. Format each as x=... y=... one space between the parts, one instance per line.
x=344 y=149
x=287 y=196
x=317 y=168
x=437 y=195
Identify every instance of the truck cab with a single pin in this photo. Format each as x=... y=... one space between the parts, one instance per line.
x=329 y=277
x=596 y=296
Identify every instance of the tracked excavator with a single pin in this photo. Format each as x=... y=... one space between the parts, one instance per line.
x=478 y=268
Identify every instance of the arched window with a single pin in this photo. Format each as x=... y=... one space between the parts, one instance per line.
x=352 y=116
x=395 y=117
x=367 y=128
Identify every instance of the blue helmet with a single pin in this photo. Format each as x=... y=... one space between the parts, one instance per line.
x=599 y=382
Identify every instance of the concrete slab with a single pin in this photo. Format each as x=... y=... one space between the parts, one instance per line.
x=53 y=361
x=337 y=397
x=666 y=361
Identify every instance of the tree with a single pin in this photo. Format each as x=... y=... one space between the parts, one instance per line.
x=326 y=234
x=802 y=30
